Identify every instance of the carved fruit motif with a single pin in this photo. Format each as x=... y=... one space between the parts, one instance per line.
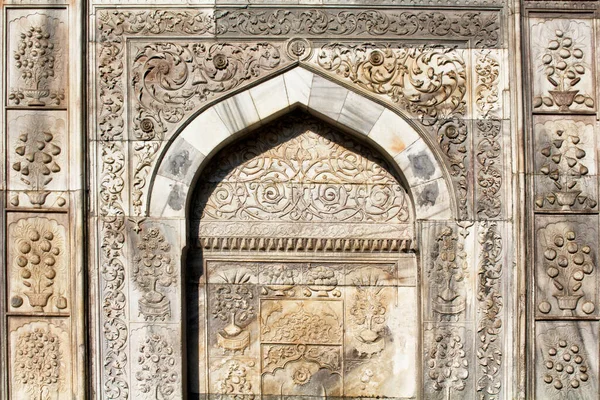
x=563 y=64
x=565 y=366
x=567 y=263
x=38 y=362
x=37 y=257
x=36 y=151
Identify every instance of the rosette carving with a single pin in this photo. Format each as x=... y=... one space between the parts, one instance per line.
x=427 y=81
x=171 y=80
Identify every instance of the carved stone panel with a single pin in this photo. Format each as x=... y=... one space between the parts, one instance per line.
x=156 y=362
x=37 y=57
x=155 y=271
x=566 y=266
x=447 y=273
x=311 y=328
x=301 y=180
x=447 y=362
x=37 y=158
x=566 y=361
x=38 y=264
x=562 y=66
x=40 y=355
x=565 y=164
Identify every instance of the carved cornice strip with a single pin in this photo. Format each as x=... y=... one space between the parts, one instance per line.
x=481 y=27
x=303 y=244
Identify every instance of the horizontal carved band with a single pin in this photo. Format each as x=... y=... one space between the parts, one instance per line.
x=304 y=244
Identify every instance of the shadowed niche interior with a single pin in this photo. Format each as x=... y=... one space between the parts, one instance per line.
x=301 y=279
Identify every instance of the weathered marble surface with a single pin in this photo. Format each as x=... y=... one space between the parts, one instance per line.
x=427 y=229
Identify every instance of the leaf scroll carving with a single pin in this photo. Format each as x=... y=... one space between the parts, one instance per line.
x=429 y=82
x=489 y=325
x=298 y=173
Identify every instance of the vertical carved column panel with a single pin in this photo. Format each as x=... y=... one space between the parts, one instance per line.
x=42 y=314
x=563 y=203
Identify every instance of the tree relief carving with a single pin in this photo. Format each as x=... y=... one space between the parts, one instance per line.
x=157 y=371
x=565 y=367
x=39 y=270
x=40 y=361
x=154 y=268
x=37 y=157
x=563 y=62
x=299 y=170
x=569 y=265
x=37 y=61
x=447 y=362
x=447 y=272
x=565 y=151
x=234 y=303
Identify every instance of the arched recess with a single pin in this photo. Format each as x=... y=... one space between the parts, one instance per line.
x=403 y=148
x=406 y=148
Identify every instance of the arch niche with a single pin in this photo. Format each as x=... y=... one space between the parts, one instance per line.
x=301 y=199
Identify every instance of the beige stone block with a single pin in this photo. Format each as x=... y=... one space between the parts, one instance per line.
x=392 y=133
x=298 y=83
x=418 y=163
x=206 y=131
x=238 y=112
x=270 y=98
x=327 y=98
x=168 y=197
x=360 y=113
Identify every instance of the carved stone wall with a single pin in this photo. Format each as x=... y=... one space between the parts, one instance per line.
x=236 y=198
x=42 y=294
x=562 y=209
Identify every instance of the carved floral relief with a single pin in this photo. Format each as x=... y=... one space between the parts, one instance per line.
x=157 y=363
x=238 y=375
x=561 y=62
x=565 y=162
x=37 y=158
x=170 y=80
x=566 y=267
x=155 y=272
x=307 y=320
x=447 y=362
x=299 y=177
x=37 y=58
x=40 y=356
x=567 y=360
x=38 y=269
x=490 y=311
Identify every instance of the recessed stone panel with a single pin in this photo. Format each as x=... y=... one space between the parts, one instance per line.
x=38 y=263
x=566 y=266
x=566 y=360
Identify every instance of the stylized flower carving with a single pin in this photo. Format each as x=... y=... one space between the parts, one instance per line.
x=301 y=376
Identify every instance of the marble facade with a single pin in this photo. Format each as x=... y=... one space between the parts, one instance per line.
x=213 y=199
